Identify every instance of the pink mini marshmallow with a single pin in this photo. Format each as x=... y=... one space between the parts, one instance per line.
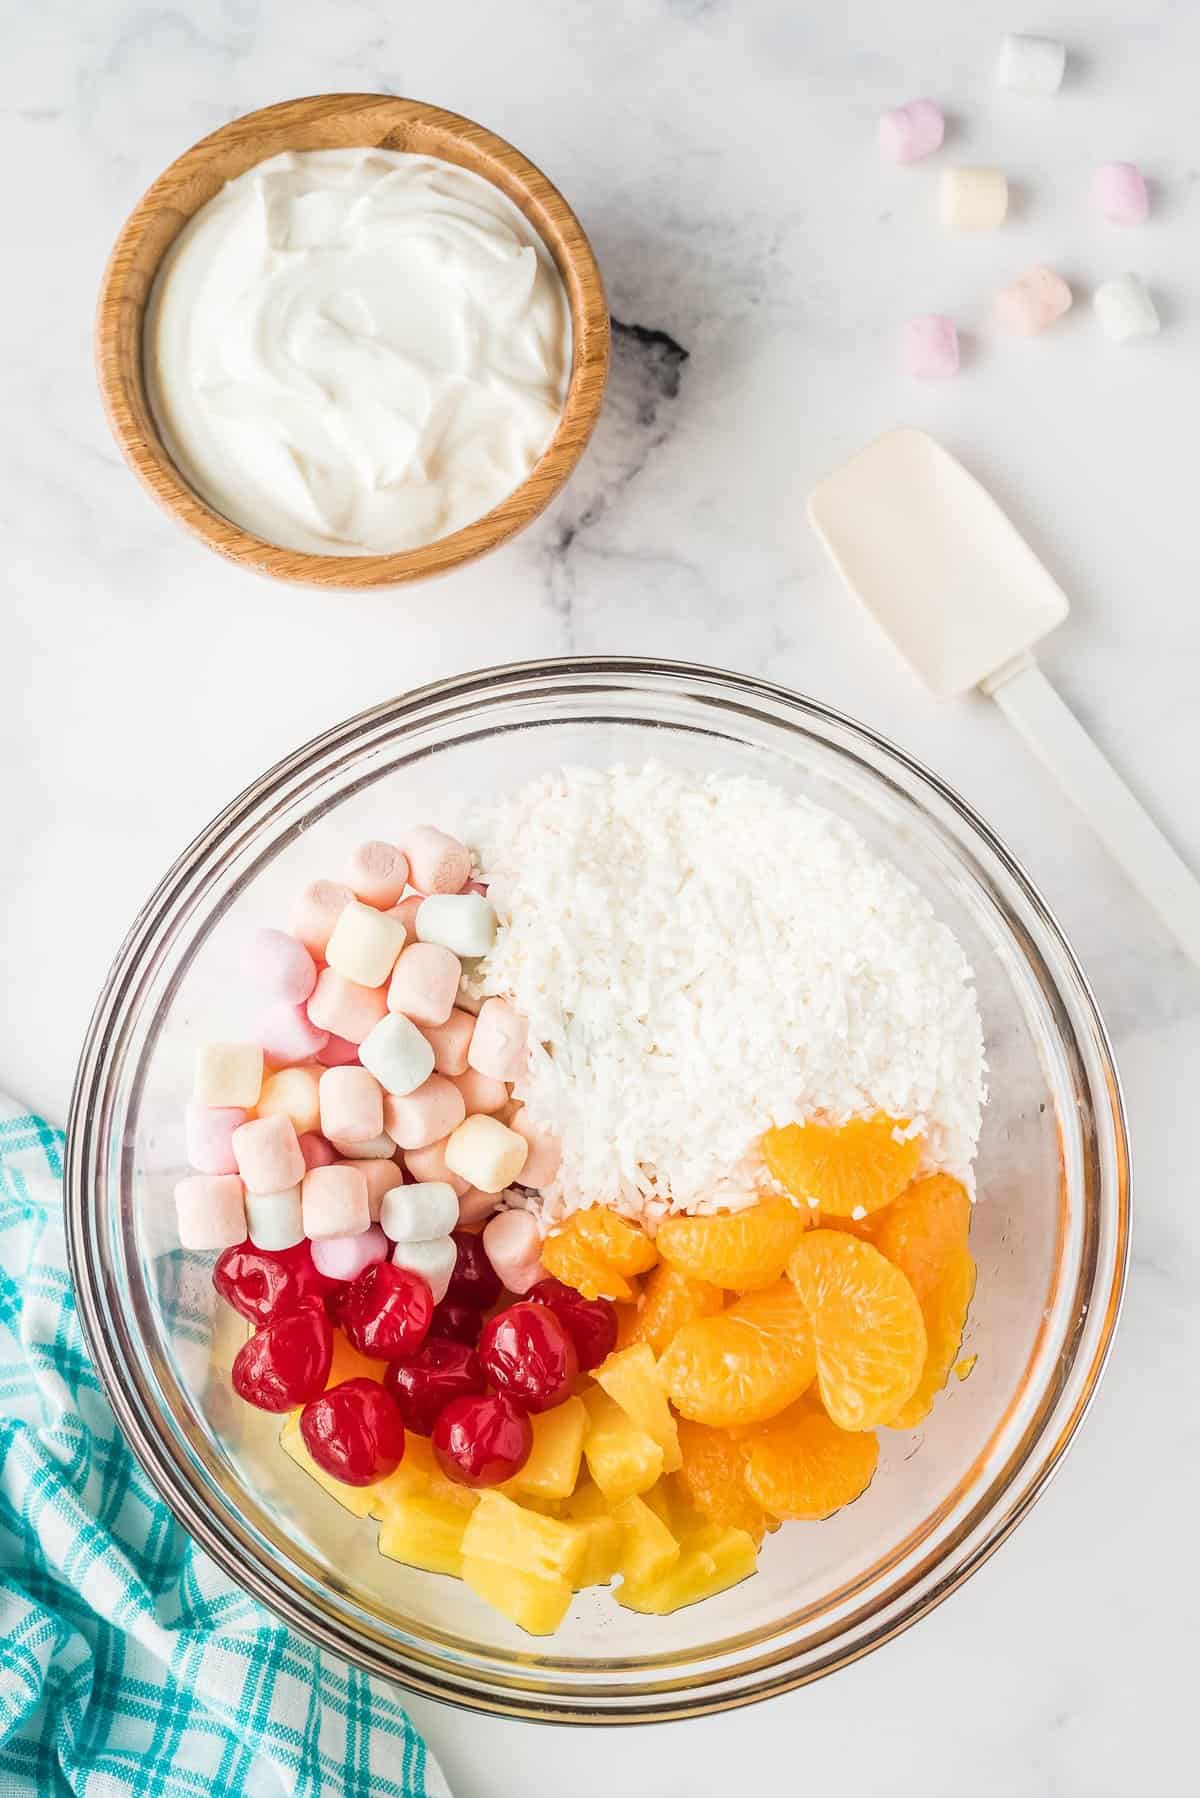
x=436 y=863
x=315 y=912
x=316 y=1151
x=1033 y=301
x=280 y=966
x=499 y=1042
x=381 y=1176
x=338 y=1052
x=451 y=1041
x=211 y=1211
x=345 y=1257
x=426 y=1115
x=430 y=1164
x=476 y=1206
x=545 y=1150
x=208 y=1130
x=476 y=886
x=344 y=1008
x=480 y=1092
x=407 y=911
x=378 y=874
x=929 y=347
x=1119 y=191
x=424 y=983
x=289 y=1035
x=351 y=1105
x=513 y=1245
x=908 y=133
x=333 y=1202
x=269 y=1156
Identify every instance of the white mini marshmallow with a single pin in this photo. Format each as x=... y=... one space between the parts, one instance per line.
x=400 y=1058
x=1125 y=309
x=434 y=1261
x=273 y=1219
x=365 y=944
x=1031 y=65
x=419 y=1213
x=973 y=199
x=486 y=1153
x=463 y=922
x=376 y=1148
x=228 y=1074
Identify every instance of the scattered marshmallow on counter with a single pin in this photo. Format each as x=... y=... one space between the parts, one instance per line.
x=463 y=922
x=280 y=966
x=377 y=873
x=431 y=1164
x=345 y=1257
x=364 y=944
x=436 y=863
x=486 y=1153
x=293 y=1093
x=211 y=1212
x=973 y=199
x=419 y=1213
x=545 y=1150
x=344 y=1008
x=351 y=1105
x=426 y=1115
x=424 y=983
x=228 y=1075
x=333 y=1202
x=929 y=347
x=450 y=1042
x=268 y=1154
x=1119 y=191
x=499 y=1042
x=480 y=1092
x=1125 y=309
x=208 y=1132
x=273 y=1219
x=1031 y=65
x=513 y=1245
x=1033 y=301
x=397 y=1054
x=315 y=913
x=433 y=1261
x=908 y=133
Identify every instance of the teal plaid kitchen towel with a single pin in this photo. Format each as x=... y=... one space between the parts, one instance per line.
x=129 y=1666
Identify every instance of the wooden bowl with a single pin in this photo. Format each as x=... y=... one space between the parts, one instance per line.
x=326 y=122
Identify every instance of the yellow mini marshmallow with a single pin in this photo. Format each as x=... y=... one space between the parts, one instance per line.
x=293 y=1093
x=365 y=944
x=228 y=1074
x=973 y=199
x=486 y=1153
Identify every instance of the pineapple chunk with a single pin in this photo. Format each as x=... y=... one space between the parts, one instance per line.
x=537 y=1605
x=411 y=1479
x=631 y=1378
x=659 y=1500
x=587 y=1500
x=553 y=1465
x=648 y=1549
x=425 y=1532
x=348 y=1364
x=712 y=1560
x=501 y=1531
x=622 y=1459
x=602 y=1549
x=359 y=1500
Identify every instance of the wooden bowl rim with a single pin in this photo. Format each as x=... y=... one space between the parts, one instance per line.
x=125 y=289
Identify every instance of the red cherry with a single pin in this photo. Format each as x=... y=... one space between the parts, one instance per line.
x=456 y=1323
x=386 y=1312
x=286 y=1361
x=591 y=1323
x=474 y=1281
x=528 y=1354
x=354 y=1432
x=483 y=1440
x=259 y=1283
x=439 y=1371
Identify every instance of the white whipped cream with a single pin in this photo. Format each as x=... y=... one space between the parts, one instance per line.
x=353 y=352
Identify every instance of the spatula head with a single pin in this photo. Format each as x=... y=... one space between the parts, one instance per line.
x=950 y=579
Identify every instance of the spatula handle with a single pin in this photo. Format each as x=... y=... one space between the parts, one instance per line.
x=1052 y=729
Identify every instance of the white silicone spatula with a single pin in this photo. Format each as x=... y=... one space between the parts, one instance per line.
x=964 y=599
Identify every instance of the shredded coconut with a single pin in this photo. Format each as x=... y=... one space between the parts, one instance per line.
x=701 y=958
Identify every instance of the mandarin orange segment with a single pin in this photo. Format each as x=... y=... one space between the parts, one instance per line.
x=596 y=1251
x=802 y=1465
x=669 y=1300
x=743 y=1366
x=945 y=1312
x=741 y=1250
x=840 y=1168
x=867 y=1327
x=924 y=1229
x=712 y=1479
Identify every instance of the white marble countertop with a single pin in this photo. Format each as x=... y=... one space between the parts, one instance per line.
x=722 y=156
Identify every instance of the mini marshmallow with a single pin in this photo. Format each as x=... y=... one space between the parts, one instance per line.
x=424 y=983
x=407 y=911
x=475 y=1207
x=545 y=1150
x=228 y=1075
x=268 y=1154
x=376 y=1148
x=1031 y=65
x=208 y=1131
x=316 y=1151
x=338 y=1052
x=929 y=347
x=333 y=1202
x=292 y=1093
x=973 y=199
x=433 y=1261
x=344 y=1008
x=480 y=1092
x=1033 y=301
x=1125 y=309
x=908 y=133
x=436 y=863
x=513 y=1245
x=273 y=1219
x=500 y=1041
x=378 y=873
x=288 y=1035
x=419 y=1213
x=279 y=966
x=486 y=1153
x=380 y=1176
x=1120 y=193
x=450 y=1041
x=211 y=1211
x=431 y=1164
x=425 y=1116
x=365 y=944
x=465 y=923
x=345 y=1257
x=397 y=1054
x=351 y=1105
x=315 y=912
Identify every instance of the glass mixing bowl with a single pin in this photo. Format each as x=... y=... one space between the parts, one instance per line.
x=1050 y=1233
